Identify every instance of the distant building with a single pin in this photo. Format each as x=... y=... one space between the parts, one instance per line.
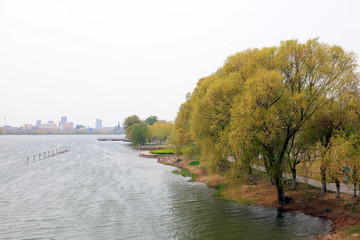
x=98 y=124
x=51 y=122
x=64 y=119
x=117 y=128
x=66 y=126
x=78 y=127
x=49 y=125
x=38 y=122
x=26 y=127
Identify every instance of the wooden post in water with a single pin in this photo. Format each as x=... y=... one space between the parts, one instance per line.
x=56 y=151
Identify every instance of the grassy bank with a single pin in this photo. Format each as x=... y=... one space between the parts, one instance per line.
x=344 y=212
x=185 y=150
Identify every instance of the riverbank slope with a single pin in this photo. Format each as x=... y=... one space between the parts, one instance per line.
x=344 y=212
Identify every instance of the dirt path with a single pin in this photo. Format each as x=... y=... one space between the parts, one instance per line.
x=344 y=188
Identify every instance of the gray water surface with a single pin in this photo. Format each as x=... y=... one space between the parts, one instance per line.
x=103 y=190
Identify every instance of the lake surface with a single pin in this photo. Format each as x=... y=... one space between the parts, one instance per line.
x=103 y=190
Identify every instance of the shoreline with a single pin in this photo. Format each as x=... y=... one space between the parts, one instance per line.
x=343 y=212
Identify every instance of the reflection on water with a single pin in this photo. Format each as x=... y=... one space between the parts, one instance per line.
x=103 y=190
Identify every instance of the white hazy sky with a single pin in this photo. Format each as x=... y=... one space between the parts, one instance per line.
x=111 y=59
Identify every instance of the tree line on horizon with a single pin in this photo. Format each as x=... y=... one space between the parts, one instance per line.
x=279 y=106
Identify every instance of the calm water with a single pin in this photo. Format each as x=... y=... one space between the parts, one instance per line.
x=103 y=190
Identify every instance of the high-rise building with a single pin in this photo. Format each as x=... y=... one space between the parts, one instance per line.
x=38 y=122
x=98 y=124
x=64 y=119
x=65 y=125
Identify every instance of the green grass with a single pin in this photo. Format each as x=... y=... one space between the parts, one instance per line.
x=163 y=151
x=186 y=150
x=220 y=188
x=351 y=206
x=194 y=163
x=192 y=178
x=186 y=173
x=353 y=229
x=183 y=172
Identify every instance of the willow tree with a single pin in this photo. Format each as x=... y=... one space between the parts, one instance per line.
x=321 y=128
x=212 y=101
x=278 y=103
x=182 y=125
x=210 y=121
x=161 y=130
x=341 y=115
x=339 y=155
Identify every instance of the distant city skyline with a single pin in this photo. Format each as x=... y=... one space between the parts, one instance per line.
x=63 y=121
x=38 y=122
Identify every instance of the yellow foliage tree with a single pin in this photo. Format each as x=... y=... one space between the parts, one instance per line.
x=161 y=130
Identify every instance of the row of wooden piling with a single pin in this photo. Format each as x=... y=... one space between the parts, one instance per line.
x=48 y=154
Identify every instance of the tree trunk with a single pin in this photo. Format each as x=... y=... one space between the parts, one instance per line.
x=323 y=180
x=355 y=178
x=280 y=191
x=323 y=188
x=355 y=190
x=337 y=188
x=251 y=177
x=293 y=187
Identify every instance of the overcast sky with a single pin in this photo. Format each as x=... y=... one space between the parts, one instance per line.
x=112 y=59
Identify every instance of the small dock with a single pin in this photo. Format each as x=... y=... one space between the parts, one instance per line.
x=114 y=139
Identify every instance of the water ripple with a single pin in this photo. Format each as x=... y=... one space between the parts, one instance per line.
x=103 y=190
